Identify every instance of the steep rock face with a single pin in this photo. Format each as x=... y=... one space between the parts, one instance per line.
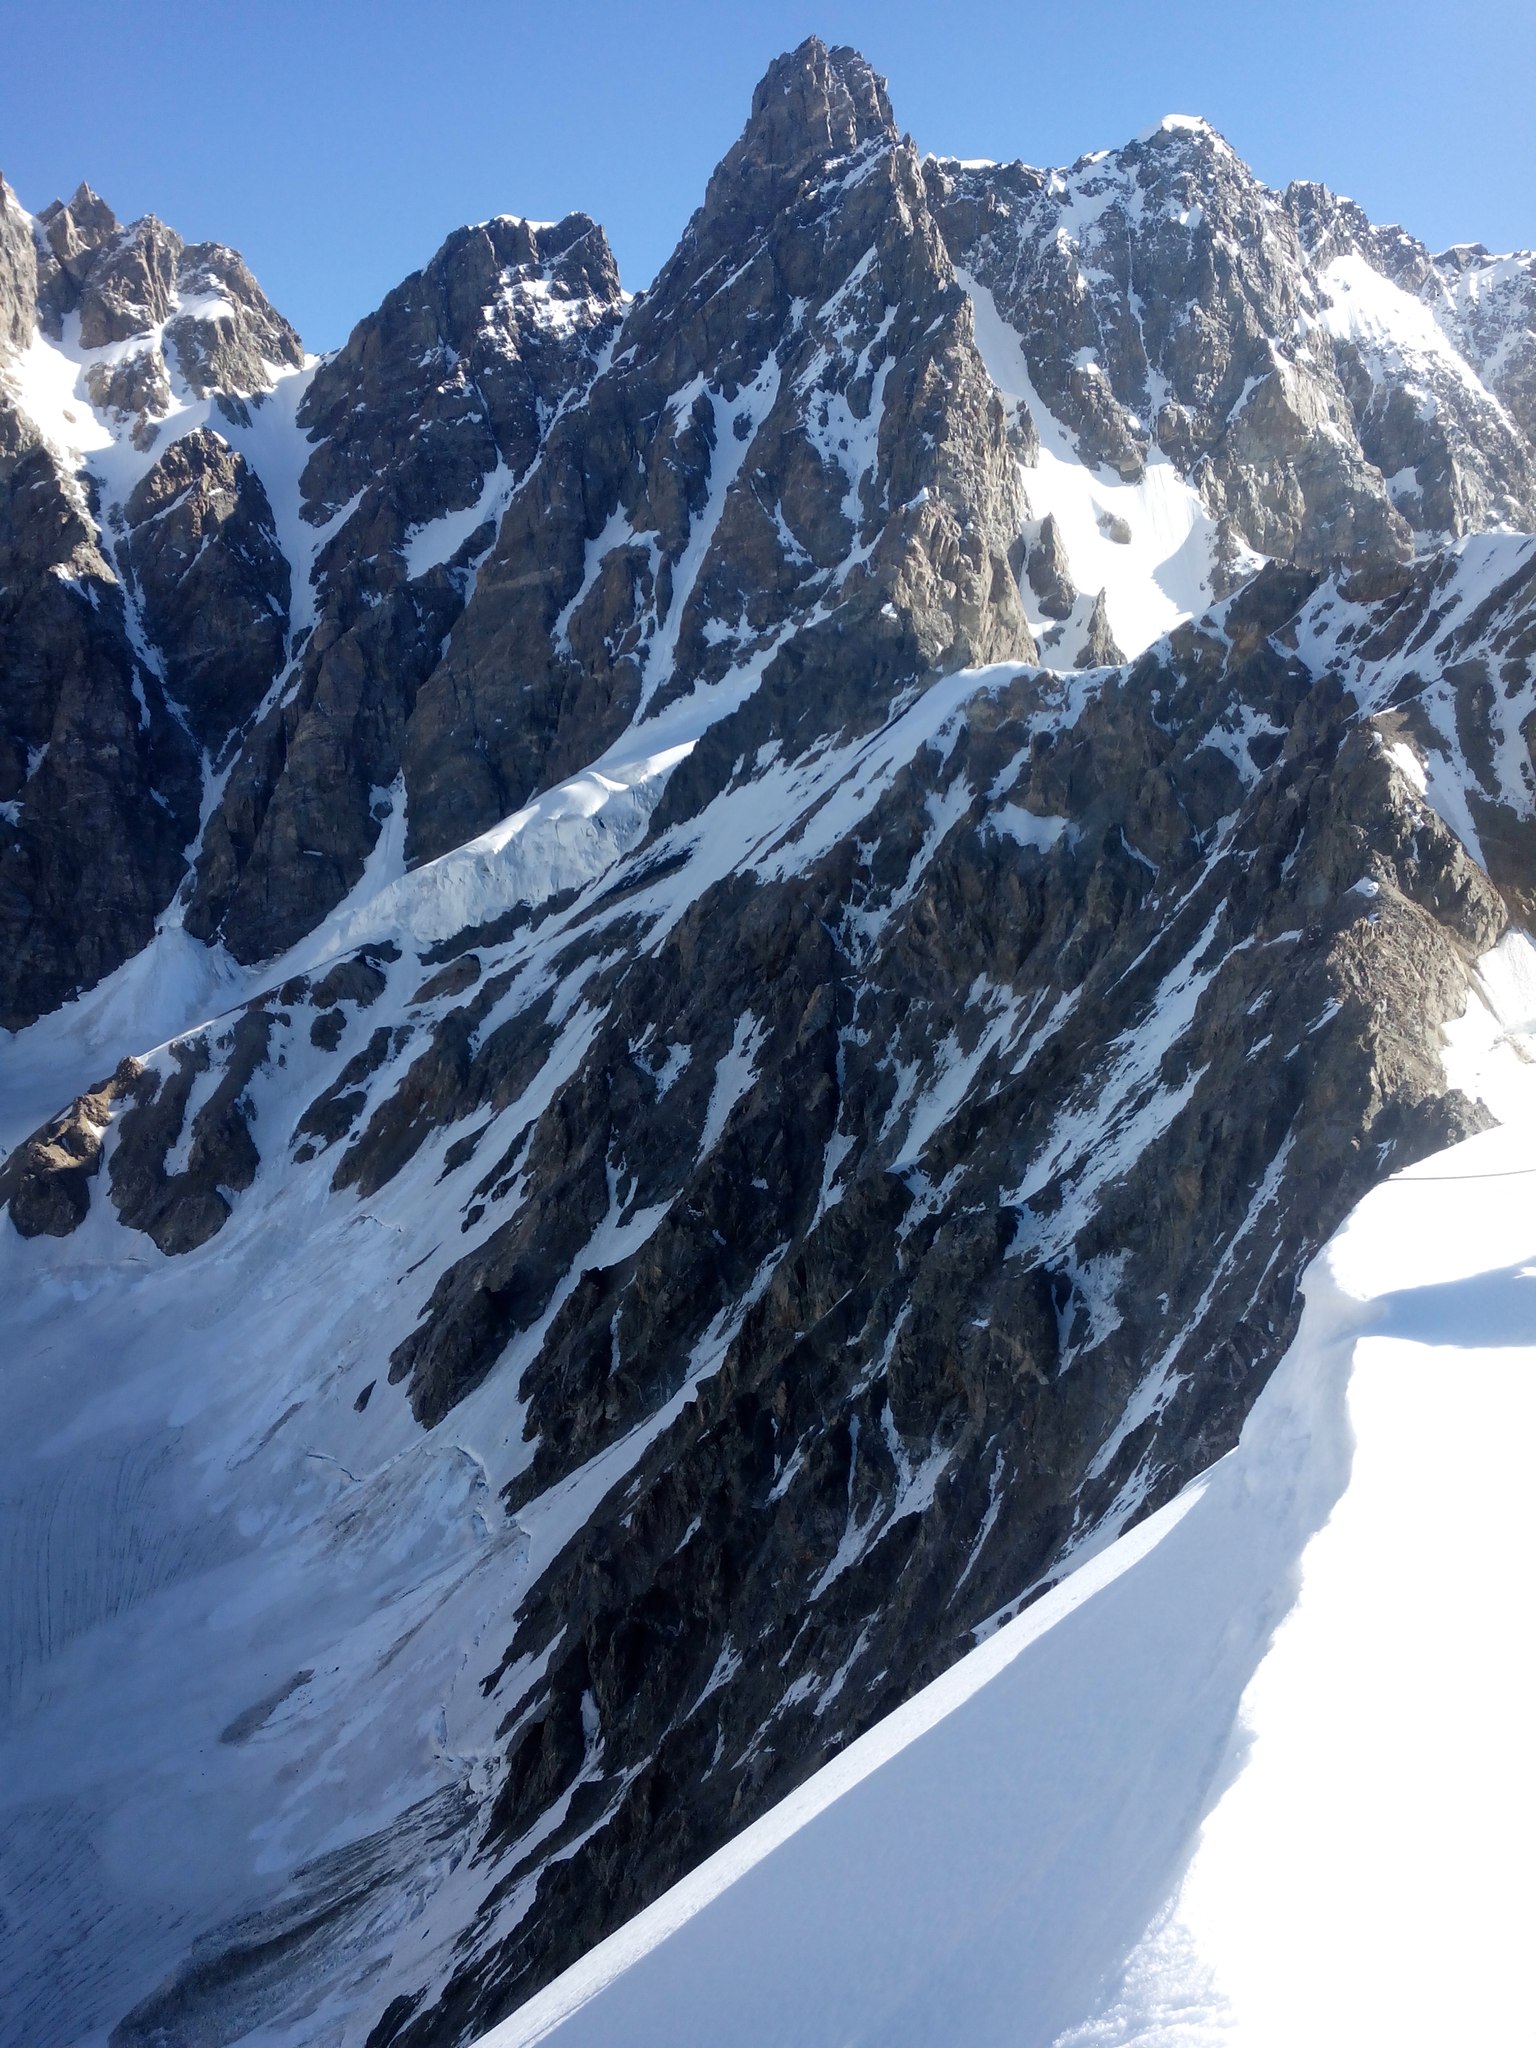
x=1327 y=386
x=424 y=422
x=46 y=1181
x=145 y=592
x=98 y=784
x=507 y=314
x=98 y=781
x=1455 y=457
x=18 y=272
x=1162 y=301
x=793 y=470
x=214 y=584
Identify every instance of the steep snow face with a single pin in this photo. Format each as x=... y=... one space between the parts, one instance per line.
x=1483 y=304
x=1260 y=1771
x=1380 y=317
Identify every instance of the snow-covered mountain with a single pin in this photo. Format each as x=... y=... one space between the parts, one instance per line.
x=1217 y=1784
x=687 y=980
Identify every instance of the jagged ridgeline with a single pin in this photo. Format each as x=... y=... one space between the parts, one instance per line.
x=706 y=964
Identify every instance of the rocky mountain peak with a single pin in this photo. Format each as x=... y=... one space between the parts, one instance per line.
x=146 y=595
x=792 y=470
x=1182 y=140
x=1182 y=131
x=1162 y=304
x=812 y=106
x=1329 y=388
x=118 y=279
x=75 y=228
x=143 y=284
x=421 y=427
x=505 y=299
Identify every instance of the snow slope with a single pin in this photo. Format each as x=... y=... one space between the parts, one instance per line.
x=1259 y=1772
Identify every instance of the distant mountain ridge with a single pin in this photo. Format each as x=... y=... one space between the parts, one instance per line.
x=1317 y=386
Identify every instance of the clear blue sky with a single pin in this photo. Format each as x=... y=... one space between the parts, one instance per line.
x=336 y=142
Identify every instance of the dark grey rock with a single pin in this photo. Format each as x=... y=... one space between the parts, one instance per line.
x=768 y=323
x=18 y=272
x=451 y=384
x=100 y=778
x=203 y=553
x=1099 y=649
x=1049 y=572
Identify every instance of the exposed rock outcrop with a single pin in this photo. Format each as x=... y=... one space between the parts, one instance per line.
x=45 y=1182
x=1099 y=649
x=424 y=423
x=1165 y=268
x=191 y=307
x=1049 y=571
x=18 y=272
x=794 y=466
x=99 y=782
x=213 y=582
